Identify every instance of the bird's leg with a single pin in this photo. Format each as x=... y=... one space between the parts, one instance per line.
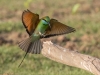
x=42 y=34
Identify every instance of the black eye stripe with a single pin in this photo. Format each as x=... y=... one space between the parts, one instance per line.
x=46 y=21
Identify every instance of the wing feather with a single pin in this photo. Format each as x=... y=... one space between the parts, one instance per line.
x=30 y=21
x=58 y=28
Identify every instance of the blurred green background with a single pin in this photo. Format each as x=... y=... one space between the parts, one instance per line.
x=83 y=15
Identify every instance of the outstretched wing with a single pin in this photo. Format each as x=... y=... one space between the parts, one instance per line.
x=30 y=21
x=58 y=28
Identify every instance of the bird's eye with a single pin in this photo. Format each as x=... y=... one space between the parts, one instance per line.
x=45 y=22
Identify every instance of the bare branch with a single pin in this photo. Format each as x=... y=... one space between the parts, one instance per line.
x=71 y=58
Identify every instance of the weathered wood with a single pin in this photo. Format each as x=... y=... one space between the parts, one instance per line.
x=71 y=58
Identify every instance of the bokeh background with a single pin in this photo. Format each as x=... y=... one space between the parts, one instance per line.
x=83 y=15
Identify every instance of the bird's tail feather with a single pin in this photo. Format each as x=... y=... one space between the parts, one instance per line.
x=30 y=46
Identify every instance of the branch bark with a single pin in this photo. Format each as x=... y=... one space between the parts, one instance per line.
x=71 y=58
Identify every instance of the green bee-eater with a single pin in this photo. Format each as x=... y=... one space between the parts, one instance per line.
x=38 y=29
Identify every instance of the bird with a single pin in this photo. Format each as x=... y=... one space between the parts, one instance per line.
x=38 y=29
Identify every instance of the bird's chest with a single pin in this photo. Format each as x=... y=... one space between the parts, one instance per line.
x=41 y=30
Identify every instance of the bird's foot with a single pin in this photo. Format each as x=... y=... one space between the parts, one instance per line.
x=42 y=34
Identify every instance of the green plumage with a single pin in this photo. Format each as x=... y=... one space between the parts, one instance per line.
x=41 y=27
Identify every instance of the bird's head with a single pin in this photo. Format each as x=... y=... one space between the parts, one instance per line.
x=47 y=20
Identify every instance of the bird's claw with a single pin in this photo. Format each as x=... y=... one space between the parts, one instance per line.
x=42 y=35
